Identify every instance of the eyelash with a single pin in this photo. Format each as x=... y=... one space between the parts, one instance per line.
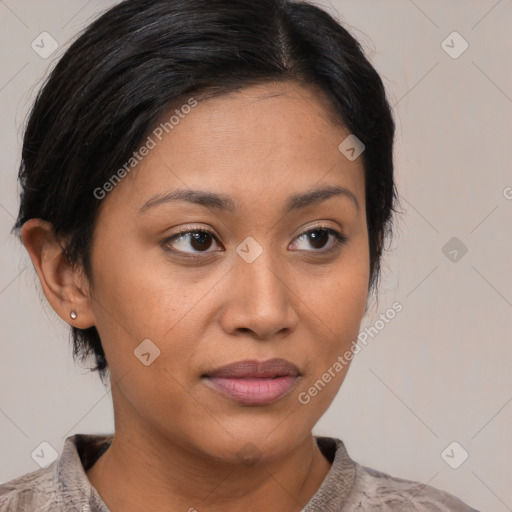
x=340 y=240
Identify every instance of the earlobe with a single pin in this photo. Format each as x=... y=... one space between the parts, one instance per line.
x=63 y=285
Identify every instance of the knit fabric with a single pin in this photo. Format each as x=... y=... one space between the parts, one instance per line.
x=63 y=486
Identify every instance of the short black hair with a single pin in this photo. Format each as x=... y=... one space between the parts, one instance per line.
x=140 y=58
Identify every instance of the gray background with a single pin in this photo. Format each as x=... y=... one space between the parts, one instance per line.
x=440 y=371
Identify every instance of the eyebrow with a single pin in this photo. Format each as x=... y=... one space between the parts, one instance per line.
x=223 y=202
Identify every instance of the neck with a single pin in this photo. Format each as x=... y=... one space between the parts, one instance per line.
x=149 y=473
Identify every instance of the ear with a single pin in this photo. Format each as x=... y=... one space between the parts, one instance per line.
x=65 y=288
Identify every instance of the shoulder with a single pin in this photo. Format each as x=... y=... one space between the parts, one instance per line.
x=32 y=491
x=62 y=485
x=378 y=491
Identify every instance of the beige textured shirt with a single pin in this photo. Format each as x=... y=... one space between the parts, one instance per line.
x=348 y=487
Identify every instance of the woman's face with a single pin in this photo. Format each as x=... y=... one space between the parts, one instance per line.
x=258 y=288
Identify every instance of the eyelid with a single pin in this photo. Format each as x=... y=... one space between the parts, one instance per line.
x=192 y=229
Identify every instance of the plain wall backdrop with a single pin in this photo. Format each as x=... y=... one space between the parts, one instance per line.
x=439 y=372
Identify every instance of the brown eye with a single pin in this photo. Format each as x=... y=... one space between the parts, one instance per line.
x=318 y=238
x=199 y=240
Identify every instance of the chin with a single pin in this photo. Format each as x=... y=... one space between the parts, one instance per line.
x=250 y=444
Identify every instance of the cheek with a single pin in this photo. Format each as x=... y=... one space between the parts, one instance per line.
x=335 y=314
x=339 y=295
x=134 y=296
x=336 y=304
x=139 y=299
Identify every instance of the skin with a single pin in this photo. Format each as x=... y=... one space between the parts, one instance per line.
x=177 y=441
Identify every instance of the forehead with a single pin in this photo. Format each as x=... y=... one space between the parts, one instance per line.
x=267 y=139
x=267 y=114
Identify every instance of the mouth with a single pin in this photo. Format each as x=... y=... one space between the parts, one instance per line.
x=252 y=382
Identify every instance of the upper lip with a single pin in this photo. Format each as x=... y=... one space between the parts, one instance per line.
x=256 y=369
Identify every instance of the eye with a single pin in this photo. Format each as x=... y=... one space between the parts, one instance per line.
x=320 y=236
x=200 y=240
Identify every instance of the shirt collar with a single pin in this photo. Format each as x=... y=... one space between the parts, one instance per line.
x=75 y=492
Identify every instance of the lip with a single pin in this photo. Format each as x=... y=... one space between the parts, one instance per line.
x=252 y=382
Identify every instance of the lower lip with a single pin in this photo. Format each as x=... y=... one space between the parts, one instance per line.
x=253 y=391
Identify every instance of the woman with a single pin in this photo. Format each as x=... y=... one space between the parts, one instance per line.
x=206 y=190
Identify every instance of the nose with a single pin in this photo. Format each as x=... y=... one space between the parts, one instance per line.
x=259 y=299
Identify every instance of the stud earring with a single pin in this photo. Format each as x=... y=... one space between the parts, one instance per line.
x=73 y=314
